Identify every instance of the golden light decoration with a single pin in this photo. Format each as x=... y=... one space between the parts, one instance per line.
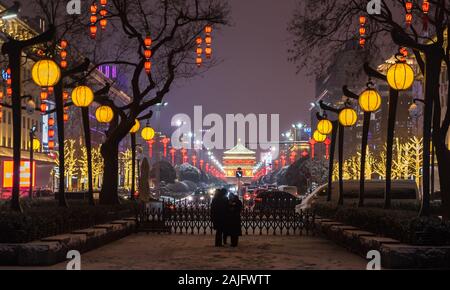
x=400 y=76
x=36 y=144
x=82 y=96
x=325 y=127
x=348 y=117
x=370 y=100
x=318 y=137
x=148 y=133
x=46 y=73
x=104 y=114
x=136 y=127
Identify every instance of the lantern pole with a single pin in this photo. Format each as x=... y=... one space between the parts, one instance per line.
x=336 y=127
x=393 y=103
x=133 y=165
x=13 y=48
x=364 y=142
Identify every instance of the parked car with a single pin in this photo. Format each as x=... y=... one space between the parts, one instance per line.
x=291 y=189
x=275 y=200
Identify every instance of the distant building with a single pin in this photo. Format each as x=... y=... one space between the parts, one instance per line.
x=239 y=157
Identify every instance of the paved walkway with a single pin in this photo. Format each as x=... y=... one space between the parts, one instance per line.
x=171 y=252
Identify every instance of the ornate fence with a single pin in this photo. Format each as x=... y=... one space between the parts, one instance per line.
x=194 y=219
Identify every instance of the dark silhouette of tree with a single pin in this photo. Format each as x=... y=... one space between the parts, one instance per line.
x=323 y=26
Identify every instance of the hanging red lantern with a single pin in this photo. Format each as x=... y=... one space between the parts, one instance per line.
x=408 y=6
x=199 y=61
x=51 y=133
x=64 y=64
x=51 y=145
x=9 y=81
x=103 y=12
x=148 y=41
x=147 y=53
x=50 y=90
x=362 y=20
x=362 y=42
x=94 y=8
x=199 y=51
x=66 y=117
x=9 y=92
x=208 y=29
x=148 y=66
x=43 y=107
x=409 y=18
x=208 y=40
x=63 y=54
x=362 y=31
x=51 y=122
x=103 y=2
x=94 y=19
x=103 y=23
x=208 y=52
x=65 y=95
x=64 y=44
x=425 y=10
x=8 y=72
x=93 y=30
x=44 y=95
x=199 y=40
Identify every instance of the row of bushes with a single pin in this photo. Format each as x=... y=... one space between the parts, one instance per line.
x=402 y=225
x=44 y=219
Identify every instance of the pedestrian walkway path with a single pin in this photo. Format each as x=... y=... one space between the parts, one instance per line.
x=172 y=252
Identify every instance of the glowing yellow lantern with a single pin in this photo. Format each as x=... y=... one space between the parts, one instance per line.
x=400 y=76
x=46 y=73
x=325 y=127
x=370 y=100
x=82 y=96
x=348 y=117
x=136 y=127
x=148 y=133
x=36 y=144
x=318 y=137
x=104 y=114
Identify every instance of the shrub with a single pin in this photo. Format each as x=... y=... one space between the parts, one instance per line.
x=44 y=219
x=402 y=225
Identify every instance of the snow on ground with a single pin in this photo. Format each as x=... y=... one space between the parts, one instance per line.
x=185 y=252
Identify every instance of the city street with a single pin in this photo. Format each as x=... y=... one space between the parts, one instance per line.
x=177 y=252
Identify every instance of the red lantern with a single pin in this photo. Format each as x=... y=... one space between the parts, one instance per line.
x=426 y=6
x=165 y=142
x=51 y=122
x=362 y=42
x=94 y=19
x=51 y=145
x=199 y=61
x=208 y=52
x=172 y=153
x=103 y=2
x=409 y=18
x=313 y=143
x=103 y=23
x=103 y=12
x=208 y=40
x=93 y=30
x=362 y=20
x=150 y=147
x=199 y=40
x=362 y=31
x=43 y=107
x=65 y=96
x=66 y=117
x=44 y=95
x=63 y=54
x=9 y=92
x=51 y=133
x=94 y=8
x=327 y=144
x=199 y=51
x=64 y=64
x=208 y=29
x=148 y=66
x=9 y=81
x=147 y=53
x=148 y=41
x=63 y=44
x=408 y=6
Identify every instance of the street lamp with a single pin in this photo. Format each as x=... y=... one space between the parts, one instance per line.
x=34 y=145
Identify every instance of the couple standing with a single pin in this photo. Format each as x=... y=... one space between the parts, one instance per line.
x=226 y=217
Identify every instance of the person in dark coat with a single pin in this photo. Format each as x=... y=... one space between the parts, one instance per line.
x=219 y=207
x=233 y=227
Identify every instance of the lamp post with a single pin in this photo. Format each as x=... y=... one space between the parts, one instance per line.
x=369 y=101
x=400 y=77
x=34 y=145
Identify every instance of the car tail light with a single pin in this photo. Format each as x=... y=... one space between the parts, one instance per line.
x=258 y=199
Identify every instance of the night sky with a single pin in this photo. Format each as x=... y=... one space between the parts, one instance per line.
x=255 y=75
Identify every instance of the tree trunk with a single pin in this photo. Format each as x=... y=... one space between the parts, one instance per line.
x=59 y=104
x=109 y=192
x=133 y=165
x=393 y=103
x=432 y=74
x=14 y=64
x=365 y=137
x=87 y=141
x=341 y=165
x=331 y=164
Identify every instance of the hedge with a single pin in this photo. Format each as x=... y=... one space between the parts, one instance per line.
x=402 y=225
x=44 y=219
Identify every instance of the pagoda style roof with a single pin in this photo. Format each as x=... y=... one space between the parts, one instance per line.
x=240 y=149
